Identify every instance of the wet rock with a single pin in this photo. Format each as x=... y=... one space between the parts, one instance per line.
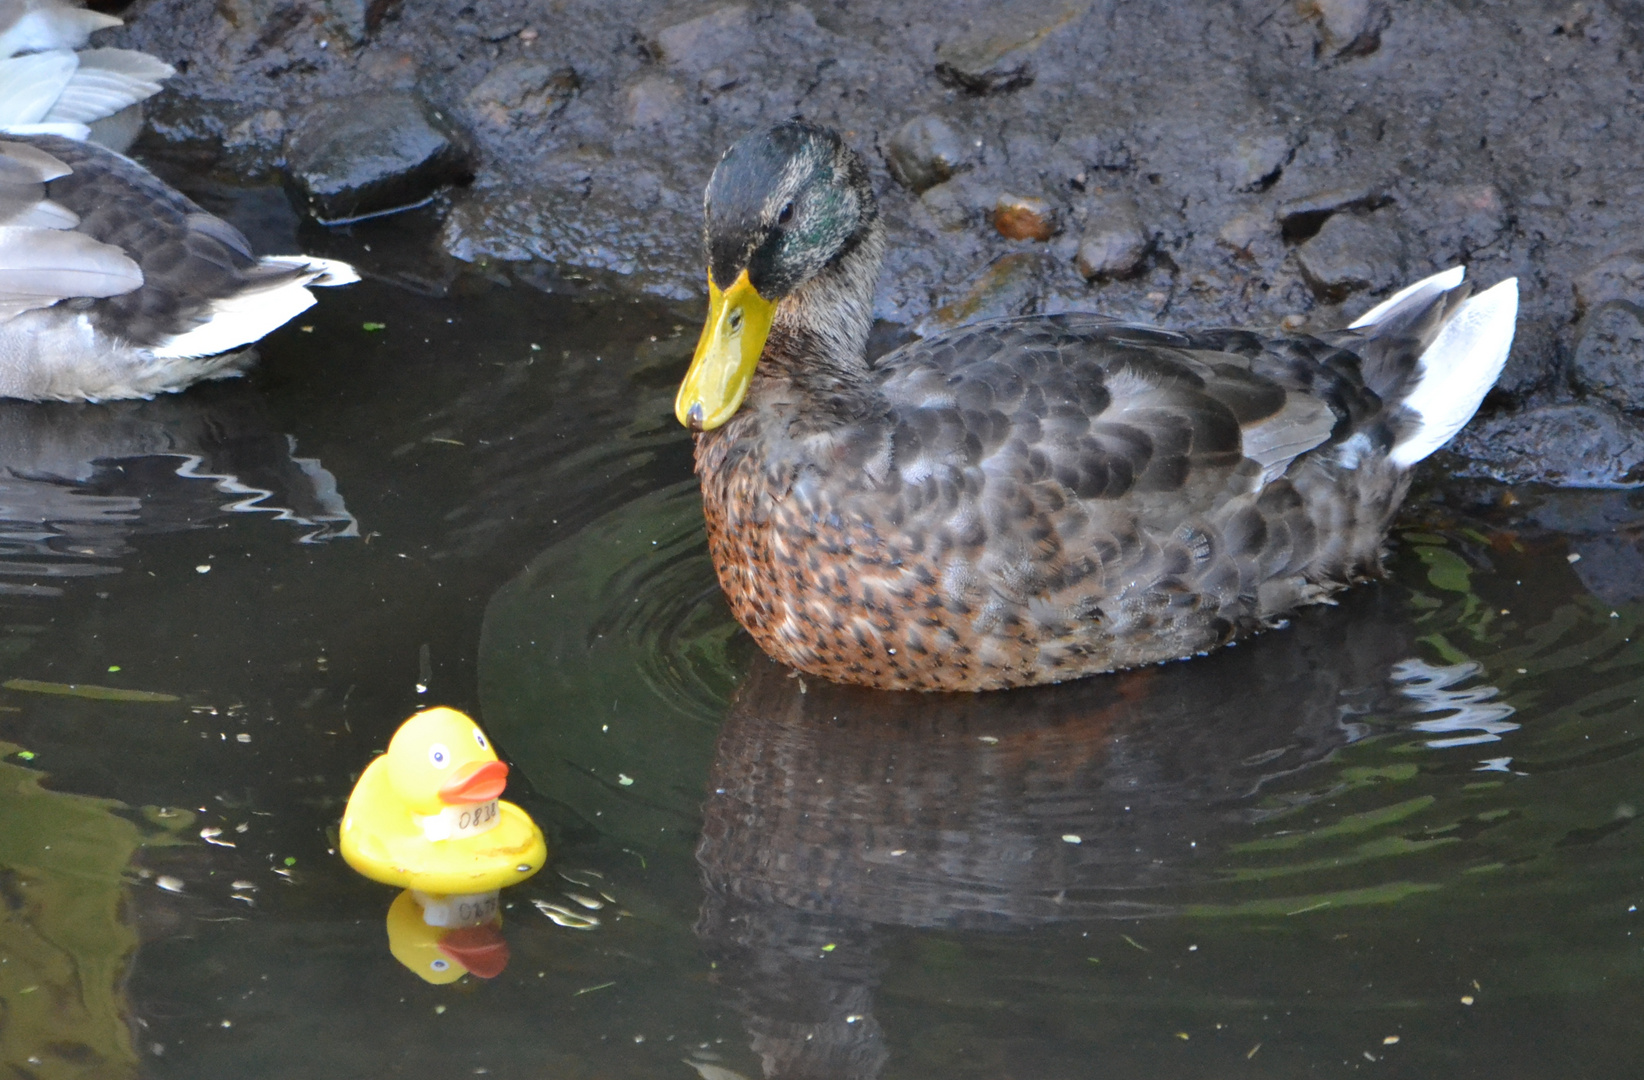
x=1251 y=235
x=709 y=40
x=266 y=127
x=653 y=101
x=1349 y=27
x=1256 y=162
x=356 y=20
x=1460 y=221
x=1023 y=217
x=1114 y=243
x=1009 y=287
x=1303 y=217
x=1609 y=357
x=1618 y=277
x=998 y=60
x=924 y=152
x=1352 y=253
x=371 y=154
x=1567 y=445
x=1603 y=531
x=522 y=90
x=952 y=205
x=572 y=227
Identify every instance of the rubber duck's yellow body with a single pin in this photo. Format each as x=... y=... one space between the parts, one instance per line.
x=426 y=815
x=445 y=949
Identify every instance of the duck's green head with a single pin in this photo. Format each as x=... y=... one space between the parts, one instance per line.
x=783 y=206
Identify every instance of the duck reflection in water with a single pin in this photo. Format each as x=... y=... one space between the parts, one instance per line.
x=77 y=481
x=836 y=813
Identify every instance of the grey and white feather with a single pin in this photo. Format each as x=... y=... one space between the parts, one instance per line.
x=114 y=285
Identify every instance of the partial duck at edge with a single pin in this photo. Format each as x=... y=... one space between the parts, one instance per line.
x=114 y=285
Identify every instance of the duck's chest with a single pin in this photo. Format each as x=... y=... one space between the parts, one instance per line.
x=770 y=543
x=823 y=582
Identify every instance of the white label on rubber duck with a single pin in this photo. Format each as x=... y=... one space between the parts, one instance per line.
x=470 y=909
x=459 y=821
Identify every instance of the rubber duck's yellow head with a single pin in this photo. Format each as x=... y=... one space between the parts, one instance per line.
x=440 y=758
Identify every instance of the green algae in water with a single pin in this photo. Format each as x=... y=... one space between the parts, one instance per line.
x=62 y=864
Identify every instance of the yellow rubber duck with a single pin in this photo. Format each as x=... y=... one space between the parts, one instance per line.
x=440 y=952
x=426 y=814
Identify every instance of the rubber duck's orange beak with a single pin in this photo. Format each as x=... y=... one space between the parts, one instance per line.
x=480 y=949
x=476 y=782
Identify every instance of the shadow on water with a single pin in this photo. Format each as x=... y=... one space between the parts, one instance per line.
x=1409 y=817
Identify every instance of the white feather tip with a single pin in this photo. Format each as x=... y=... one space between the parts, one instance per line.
x=1458 y=369
x=323 y=271
x=1441 y=282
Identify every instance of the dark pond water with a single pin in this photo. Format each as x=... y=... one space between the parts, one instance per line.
x=1397 y=837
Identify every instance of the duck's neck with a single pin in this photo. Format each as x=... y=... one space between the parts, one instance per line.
x=816 y=355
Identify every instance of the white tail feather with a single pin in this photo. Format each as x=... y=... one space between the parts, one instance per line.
x=236 y=321
x=48 y=24
x=66 y=130
x=1427 y=287
x=326 y=272
x=107 y=81
x=30 y=85
x=1458 y=368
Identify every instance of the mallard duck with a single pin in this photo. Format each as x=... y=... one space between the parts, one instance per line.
x=426 y=814
x=113 y=285
x=1034 y=499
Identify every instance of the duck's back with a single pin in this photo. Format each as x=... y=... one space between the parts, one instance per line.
x=1037 y=499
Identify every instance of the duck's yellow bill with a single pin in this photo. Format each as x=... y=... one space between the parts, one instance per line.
x=739 y=321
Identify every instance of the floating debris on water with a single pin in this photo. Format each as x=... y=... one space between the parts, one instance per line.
x=88 y=690
x=564 y=916
x=591 y=989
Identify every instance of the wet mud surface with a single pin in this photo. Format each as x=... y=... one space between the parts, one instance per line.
x=1246 y=163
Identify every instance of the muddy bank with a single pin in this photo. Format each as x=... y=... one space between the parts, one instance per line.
x=1256 y=163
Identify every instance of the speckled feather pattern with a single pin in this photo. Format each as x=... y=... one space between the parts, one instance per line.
x=1033 y=500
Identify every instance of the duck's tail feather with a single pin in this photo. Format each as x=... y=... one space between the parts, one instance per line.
x=270 y=300
x=1436 y=350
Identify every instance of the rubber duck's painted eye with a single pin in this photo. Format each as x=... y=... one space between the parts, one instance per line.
x=439 y=756
x=479 y=739
x=440 y=965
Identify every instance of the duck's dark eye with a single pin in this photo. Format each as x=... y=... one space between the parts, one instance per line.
x=786 y=215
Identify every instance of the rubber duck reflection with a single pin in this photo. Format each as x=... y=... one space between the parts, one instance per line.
x=836 y=813
x=443 y=938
